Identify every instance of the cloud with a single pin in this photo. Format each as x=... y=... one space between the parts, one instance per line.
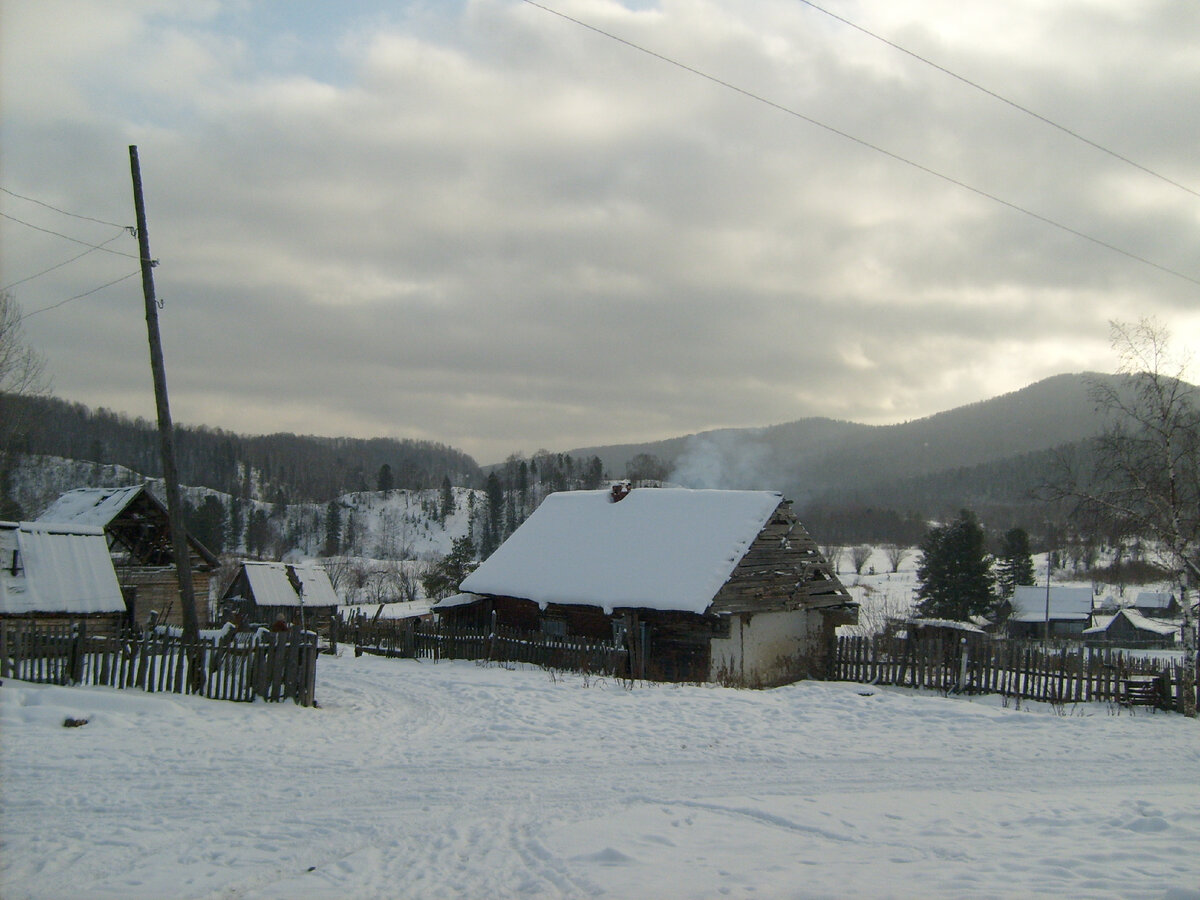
x=485 y=225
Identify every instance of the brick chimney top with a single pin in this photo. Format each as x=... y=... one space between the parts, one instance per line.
x=620 y=491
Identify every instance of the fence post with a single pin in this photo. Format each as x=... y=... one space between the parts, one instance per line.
x=962 y=666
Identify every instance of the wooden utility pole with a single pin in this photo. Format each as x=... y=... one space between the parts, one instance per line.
x=179 y=545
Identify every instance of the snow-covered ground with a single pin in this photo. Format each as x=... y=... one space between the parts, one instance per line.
x=446 y=780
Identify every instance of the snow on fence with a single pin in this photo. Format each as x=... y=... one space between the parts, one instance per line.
x=1054 y=674
x=413 y=639
x=273 y=666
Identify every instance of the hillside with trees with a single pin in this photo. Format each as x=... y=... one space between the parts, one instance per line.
x=297 y=468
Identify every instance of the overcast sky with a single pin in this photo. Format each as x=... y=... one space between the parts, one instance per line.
x=483 y=224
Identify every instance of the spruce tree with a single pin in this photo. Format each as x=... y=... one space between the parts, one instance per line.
x=955 y=572
x=1015 y=563
x=333 y=529
x=447 y=498
x=384 y=483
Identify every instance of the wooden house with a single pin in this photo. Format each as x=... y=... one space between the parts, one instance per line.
x=137 y=528
x=720 y=586
x=1063 y=612
x=280 y=595
x=1158 y=605
x=56 y=574
x=1129 y=628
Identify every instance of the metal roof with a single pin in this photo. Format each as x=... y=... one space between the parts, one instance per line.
x=56 y=568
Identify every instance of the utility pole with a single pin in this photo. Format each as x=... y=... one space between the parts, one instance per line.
x=179 y=545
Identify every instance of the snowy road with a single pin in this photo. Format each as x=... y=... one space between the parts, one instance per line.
x=454 y=780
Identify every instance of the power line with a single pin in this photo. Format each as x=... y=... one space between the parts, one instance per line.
x=73 y=240
x=63 y=211
x=78 y=296
x=65 y=262
x=870 y=146
x=993 y=94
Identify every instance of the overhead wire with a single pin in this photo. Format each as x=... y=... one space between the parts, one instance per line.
x=72 y=239
x=78 y=296
x=869 y=145
x=92 y=248
x=66 y=261
x=63 y=211
x=998 y=96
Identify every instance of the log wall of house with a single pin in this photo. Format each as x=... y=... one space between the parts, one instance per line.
x=158 y=589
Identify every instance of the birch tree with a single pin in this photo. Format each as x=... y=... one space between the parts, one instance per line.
x=22 y=373
x=1145 y=472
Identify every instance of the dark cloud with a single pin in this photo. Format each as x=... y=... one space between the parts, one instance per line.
x=484 y=225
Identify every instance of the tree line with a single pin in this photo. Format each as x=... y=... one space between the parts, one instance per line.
x=295 y=468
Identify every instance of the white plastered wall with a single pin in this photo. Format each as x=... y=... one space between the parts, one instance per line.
x=766 y=647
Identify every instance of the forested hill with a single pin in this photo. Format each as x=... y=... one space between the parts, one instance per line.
x=298 y=468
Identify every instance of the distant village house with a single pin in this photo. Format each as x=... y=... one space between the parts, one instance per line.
x=281 y=595
x=1056 y=612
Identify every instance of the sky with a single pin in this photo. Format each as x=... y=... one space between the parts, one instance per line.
x=484 y=224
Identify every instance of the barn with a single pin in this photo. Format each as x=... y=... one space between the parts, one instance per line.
x=54 y=574
x=699 y=585
x=138 y=532
x=275 y=593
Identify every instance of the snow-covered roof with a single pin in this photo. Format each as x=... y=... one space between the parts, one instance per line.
x=1066 y=603
x=951 y=624
x=455 y=600
x=1099 y=624
x=271 y=585
x=657 y=548
x=403 y=609
x=1153 y=600
x=90 y=506
x=1142 y=623
x=59 y=569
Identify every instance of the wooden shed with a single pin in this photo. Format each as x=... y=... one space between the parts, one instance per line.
x=720 y=586
x=1129 y=628
x=55 y=574
x=279 y=594
x=138 y=531
x=1158 y=605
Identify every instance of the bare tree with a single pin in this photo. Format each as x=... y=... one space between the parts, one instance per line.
x=833 y=555
x=22 y=374
x=881 y=609
x=895 y=555
x=859 y=554
x=1145 y=472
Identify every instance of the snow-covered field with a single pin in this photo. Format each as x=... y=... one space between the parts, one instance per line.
x=445 y=780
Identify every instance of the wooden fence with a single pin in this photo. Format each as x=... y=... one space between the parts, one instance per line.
x=413 y=639
x=1062 y=674
x=273 y=666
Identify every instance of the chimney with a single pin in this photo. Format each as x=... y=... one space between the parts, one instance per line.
x=620 y=491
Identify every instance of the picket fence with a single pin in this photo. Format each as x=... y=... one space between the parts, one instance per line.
x=413 y=639
x=1054 y=674
x=271 y=666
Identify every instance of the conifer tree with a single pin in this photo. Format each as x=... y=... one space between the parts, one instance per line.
x=1015 y=563
x=447 y=498
x=333 y=529
x=955 y=573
